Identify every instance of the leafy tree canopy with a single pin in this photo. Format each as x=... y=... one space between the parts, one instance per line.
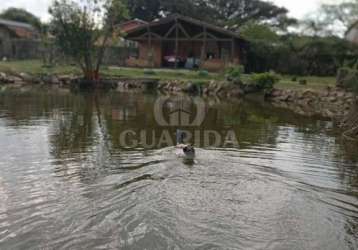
x=332 y=19
x=343 y=14
x=221 y=12
x=253 y=31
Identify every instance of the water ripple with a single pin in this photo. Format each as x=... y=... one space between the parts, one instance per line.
x=67 y=183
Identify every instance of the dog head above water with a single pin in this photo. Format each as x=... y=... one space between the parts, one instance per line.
x=189 y=151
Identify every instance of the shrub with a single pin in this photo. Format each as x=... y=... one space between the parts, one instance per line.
x=201 y=83
x=300 y=55
x=234 y=72
x=265 y=81
x=149 y=72
x=302 y=82
x=203 y=73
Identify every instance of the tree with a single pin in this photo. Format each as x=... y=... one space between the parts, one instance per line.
x=313 y=27
x=21 y=15
x=150 y=10
x=82 y=31
x=241 y=11
x=342 y=15
x=196 y=8
x=221 y=12
x=332 y=19
x=144 y=9
x=253 y=31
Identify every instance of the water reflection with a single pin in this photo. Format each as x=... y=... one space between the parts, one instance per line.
x=67 y=181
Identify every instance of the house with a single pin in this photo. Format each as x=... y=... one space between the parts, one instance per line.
x=182 y=42
x=131 y=24
x=352 y=33
x=17 y=40
x=126 y=27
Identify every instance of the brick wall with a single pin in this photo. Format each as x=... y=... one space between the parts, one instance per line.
x=156 y=52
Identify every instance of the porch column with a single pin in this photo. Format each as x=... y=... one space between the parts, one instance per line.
x=150 y=49
x=176 y=43
x=220 y=50
x=233 y=50
x=203 y=50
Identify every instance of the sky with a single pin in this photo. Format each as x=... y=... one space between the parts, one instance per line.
x=297 y=8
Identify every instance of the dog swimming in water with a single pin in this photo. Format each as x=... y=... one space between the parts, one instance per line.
x=185 y=151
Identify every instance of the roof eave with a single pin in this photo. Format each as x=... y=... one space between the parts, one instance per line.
x=188 y=19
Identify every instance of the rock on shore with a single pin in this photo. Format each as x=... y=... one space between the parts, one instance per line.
x=25 y=78
x=330 y=103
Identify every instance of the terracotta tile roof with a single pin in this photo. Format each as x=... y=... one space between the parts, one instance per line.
x=131 y=25
x=21 y=30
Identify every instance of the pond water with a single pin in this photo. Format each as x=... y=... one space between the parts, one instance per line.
x=69 y=181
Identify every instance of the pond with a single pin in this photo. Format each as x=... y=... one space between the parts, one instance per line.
x=98 y=171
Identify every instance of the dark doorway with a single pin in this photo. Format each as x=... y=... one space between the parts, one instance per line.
x=1 y=49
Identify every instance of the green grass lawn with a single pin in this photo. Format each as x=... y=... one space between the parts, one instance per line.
x=36 y=67
x=161 y=74
x=313 y=82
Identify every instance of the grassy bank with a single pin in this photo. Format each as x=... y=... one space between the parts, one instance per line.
x=313 y=82
x=36 y=67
